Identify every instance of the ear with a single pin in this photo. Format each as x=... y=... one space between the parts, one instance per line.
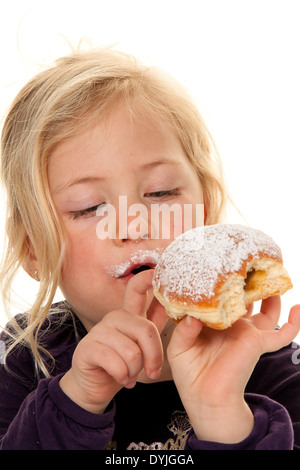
x=31 y=265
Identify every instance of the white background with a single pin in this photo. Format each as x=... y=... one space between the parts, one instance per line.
x=239 y=59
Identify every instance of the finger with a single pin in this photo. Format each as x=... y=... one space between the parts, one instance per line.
x=113 y=364
x=107 y=359
x=277 y=339
x=126 y=348
x=147 y=336
x=185 y=335
x=138 y=293
x=143 y=332
x=273 y=303
x=249 y=309
x=157 y=314
x=269 y=314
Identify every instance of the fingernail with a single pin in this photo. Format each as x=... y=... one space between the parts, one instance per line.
x=155 y=373
x=125 y=381
x=188 y=320
x=130 y=384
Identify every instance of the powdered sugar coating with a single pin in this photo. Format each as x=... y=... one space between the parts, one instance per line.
x=192 y=264
x=138 y=257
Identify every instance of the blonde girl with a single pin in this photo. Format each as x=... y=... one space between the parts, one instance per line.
x=96 y=126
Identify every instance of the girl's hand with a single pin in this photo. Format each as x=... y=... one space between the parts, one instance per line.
x=211 y=368
x=115 y=350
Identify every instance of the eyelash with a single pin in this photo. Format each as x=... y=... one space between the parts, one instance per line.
x=84 y=212
x=90 y=210
x=170 y=192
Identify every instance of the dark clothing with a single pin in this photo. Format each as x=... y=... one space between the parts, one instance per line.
x=36 y=414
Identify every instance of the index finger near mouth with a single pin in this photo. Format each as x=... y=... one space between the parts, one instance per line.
x=138 y=293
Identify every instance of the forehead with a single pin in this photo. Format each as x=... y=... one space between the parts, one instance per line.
x=120 y=137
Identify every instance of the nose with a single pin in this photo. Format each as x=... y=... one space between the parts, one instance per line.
x=123 y=222
x=133 y=222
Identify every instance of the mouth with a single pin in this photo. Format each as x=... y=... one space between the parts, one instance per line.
x=141 y=260
x=137 y=269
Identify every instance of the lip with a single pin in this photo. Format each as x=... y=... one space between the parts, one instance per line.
x=136 y=260
x=128 y=273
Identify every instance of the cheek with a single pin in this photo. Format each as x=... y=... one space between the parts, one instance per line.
x=80 y=254
x=83 y=280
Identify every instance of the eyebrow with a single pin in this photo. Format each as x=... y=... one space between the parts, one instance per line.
x=80 y=180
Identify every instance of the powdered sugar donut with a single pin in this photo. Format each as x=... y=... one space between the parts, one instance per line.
x=214 y=272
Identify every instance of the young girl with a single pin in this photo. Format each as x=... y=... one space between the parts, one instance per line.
x=105 y=369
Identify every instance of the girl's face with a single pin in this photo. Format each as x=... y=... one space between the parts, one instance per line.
x=138 y=159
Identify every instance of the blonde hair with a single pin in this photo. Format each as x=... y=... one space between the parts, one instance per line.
x=55 y=105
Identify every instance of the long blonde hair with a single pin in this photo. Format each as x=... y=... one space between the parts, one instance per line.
x=55 y=105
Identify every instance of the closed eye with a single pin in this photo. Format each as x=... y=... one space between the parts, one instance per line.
x=91 y=211
x=85 y=213
x=164 y=193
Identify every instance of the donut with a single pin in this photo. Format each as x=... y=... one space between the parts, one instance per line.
x=214 y=272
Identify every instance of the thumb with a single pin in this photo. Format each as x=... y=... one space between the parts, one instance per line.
x=185 y=335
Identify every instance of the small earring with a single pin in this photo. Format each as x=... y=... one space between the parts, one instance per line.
x=36 y=275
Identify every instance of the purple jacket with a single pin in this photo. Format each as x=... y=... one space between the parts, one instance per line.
x=36 y=414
